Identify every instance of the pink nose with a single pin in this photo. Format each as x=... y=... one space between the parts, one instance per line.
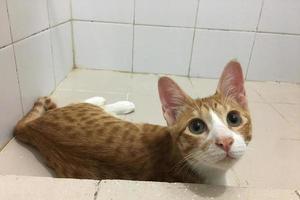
x=225 y=143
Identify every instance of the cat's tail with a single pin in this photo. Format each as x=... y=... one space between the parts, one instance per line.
x=41 y=106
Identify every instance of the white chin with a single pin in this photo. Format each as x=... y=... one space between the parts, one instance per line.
x=226 y=163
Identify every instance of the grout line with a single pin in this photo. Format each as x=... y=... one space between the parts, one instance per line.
x=48 y=13
x=71 y=9
x=52 y=56
x=73 y=45
x=36 y=33
x=133 y=36
x=15 y=60
x=72 y=35
x=97 y=189
x=190 y=27
x=250 y=57
x=99 y=21
x=149 y=25
x=281 y=115
x=51 y=46
x=260 y=14
x=193 y=40
x=253 y=44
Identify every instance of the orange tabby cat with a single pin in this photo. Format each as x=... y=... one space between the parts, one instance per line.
x=204 y=137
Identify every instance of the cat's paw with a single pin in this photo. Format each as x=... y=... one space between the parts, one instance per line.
x=97 y=101
x=120 y=107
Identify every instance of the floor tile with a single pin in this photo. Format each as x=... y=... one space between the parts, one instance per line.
x=290 y=113
x=252 y=93
x=20 y=159
x=204 y=87
x=143 y=83
x=34 y=188
x=147 y=110
x=278 y=92
x=264 y=157
x=184 y=83
x=114 y=189
x=96 y=80
x=63 y=98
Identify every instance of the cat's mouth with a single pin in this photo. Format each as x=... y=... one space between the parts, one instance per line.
x=229 y=157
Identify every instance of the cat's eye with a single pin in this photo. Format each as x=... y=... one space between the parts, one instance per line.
x=234 y=119
x=197 y=126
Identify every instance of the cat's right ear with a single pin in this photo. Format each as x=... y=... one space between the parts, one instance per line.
x=172 y=98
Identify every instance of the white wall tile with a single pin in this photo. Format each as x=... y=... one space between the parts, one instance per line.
x=4 y=30
x=104 y=10
x=61 y=38
x=103 y=45
x=10 y=106
x=35 y=68
x=275 y=57
x=59 y=11
x=166 y=12
x=280 y=16
x=27 y=17
x=162 y=49
x=213 y=49
x=229 y=14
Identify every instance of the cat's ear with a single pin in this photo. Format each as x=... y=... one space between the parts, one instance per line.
x=172 y=98
x=231 y=83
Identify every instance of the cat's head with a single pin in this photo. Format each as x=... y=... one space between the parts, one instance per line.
x=212 y=131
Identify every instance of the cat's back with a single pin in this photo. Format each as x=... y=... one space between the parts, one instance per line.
x=81 y=124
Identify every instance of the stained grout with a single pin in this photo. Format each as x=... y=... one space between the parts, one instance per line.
x=133 y=36
x=254 y=39
x=72 y=34
x=51 y=48
x=15 y=60
x=193 y=40
x=97 y=189
x=190 y=27
x=36 y=33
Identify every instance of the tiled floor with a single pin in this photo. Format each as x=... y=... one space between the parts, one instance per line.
x=272 y=160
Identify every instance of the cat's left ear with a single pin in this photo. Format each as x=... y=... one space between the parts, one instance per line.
x=172 y=98
x=231 y=83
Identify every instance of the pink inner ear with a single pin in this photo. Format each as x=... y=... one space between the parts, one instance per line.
x=172 y=98
x=232 y=83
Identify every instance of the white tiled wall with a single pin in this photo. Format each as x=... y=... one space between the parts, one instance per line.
x=166 y=12
x=162 y=49
x=191 y=37
x=275 y=57
x=5 y=38
x=59 y=11
x=34 y=57
x=62 y=50
x=104 y=10
x=213 y=48
x=280 y=16
x=10 y=102
x=103 y=45
x=35 y=68
x=27 y=17
x=229 y=14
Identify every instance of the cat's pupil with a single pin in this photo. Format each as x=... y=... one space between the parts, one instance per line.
x=233 y=118
x=197 y=126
